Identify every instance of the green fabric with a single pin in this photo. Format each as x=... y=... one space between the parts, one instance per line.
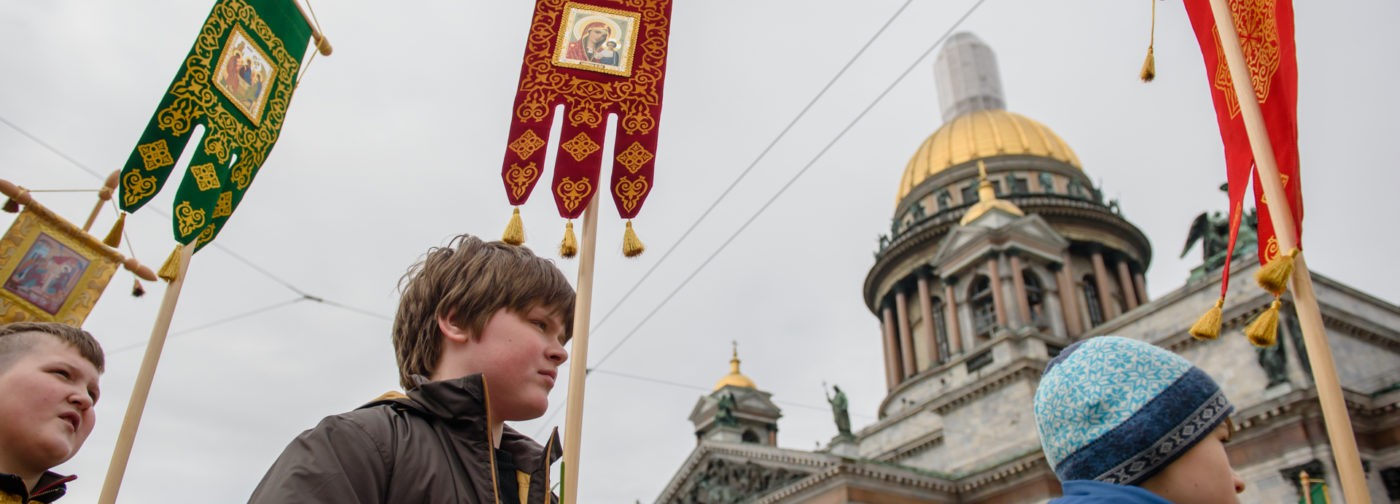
x=1318 y=494
x=236 y=82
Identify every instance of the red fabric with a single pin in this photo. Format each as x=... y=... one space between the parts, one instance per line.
x=1265 y=28
x=562 y=67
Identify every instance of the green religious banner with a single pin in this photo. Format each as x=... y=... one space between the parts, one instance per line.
x=236 y=82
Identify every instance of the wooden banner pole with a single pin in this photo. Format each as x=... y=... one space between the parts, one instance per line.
x=578 y=371
x=1329 y=390
x=103 y=196
x=137 y=405
x=323 y=45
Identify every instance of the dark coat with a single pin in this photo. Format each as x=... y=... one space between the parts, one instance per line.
x=433 y=445
x=49 y=488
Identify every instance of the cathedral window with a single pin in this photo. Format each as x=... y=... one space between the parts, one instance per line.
x=969 y=194
x=1035 y=296
x=1019 y=185
x=749 y=436
x=940 y=330
x=984 y=311
x=1091 y=300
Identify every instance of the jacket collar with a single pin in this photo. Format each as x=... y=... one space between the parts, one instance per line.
x=49 y=488
x=461 y=402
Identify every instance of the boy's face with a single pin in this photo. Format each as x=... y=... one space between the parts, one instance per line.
x=1202 y=475
x=46 y=399
x=519 y=354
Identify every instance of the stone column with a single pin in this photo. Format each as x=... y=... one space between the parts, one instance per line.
x=1069 y=308
x=997 y=301
x=1019 y=282
x=954 y=329
x=926 y=309
x=906 y=340
x=1141 y=284
x=893 y=371
x=1125 y=279
x=1110 y=310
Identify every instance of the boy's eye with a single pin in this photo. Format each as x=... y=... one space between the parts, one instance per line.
x=63 y=373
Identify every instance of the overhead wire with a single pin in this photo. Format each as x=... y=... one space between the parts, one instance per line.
x=666 y=300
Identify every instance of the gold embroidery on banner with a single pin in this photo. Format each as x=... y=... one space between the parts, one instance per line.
x=527 y=144
x=630 y=191
x=224 y=207
x=206 y=235
x=572 y=193
x=1271 y=249
x=1257 y=26
x=188 y=219
x=520 y=178
x=136 y=187
x=543 y=83
x=206 y=176
x=580 y=147
x=155 y=155
x=194 y=97
x=634 y=157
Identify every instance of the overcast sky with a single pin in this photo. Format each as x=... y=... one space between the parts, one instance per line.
x=394 y=143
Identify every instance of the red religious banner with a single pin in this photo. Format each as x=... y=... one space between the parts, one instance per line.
x=597 y=58
x=1265 y=30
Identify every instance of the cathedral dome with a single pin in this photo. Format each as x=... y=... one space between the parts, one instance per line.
x=734 y=377
x=982 y=134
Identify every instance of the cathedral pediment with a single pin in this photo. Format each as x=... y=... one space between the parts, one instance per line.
x=725 y=473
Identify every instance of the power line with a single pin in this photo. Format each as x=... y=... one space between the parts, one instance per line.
x=51 y=148
x=742 y=176
x=222 y=321
x=790 y=182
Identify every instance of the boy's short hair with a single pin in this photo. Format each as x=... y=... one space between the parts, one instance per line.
x=1118 y=410
x=14 y=344
x=468 y=281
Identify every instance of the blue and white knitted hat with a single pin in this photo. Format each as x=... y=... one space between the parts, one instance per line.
x=1118 y=410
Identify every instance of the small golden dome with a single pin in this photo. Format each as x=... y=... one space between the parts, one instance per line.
x=982 y=134
x=734 y=377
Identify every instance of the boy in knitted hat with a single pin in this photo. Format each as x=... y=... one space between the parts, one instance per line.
x=1125 y=421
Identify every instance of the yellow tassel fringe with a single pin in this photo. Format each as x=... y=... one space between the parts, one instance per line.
x=631 y=245
x=171 y=269
x=11 y=206
x=138 y=290
x=1149 y=67
x=569 y=247
x=114 y=237
x=1208 y=327
x=1273 y=277
x=515 y=229
x=1263 y=331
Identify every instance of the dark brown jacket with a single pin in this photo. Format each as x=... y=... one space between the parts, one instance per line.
x=49 y=488
x=433 y=445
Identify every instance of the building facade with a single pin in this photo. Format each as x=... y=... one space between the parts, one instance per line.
x=1001 y=253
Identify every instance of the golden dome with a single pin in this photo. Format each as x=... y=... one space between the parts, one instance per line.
x=982 y=134
x=734 y=377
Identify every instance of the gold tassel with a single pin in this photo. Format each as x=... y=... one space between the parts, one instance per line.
x=515 y=229
x=171 y=269
x=1263 y=331
x=11 y=206
x=114 y=237
x=138 y=290
x=1273 y=277
x=569 y=247
x=1149 y=67
x=1208 y=327
x=631 y=245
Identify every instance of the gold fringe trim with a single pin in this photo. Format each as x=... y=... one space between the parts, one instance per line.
x=569 y=247
x=138 y=290
x=1273 y=277
x=1208 y=327
x=631 y=245
x=1263 y=331
x=11 y=206
x=171 y=269
x=114 y=237
x=515 y=229
x=1149 y=66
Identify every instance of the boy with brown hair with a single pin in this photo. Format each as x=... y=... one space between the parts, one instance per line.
x=48 y=385
x=479 y=338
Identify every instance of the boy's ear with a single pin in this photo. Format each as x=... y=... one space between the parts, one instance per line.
x=450 y=330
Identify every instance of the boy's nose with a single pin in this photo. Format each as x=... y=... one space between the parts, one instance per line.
x=81 y=400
